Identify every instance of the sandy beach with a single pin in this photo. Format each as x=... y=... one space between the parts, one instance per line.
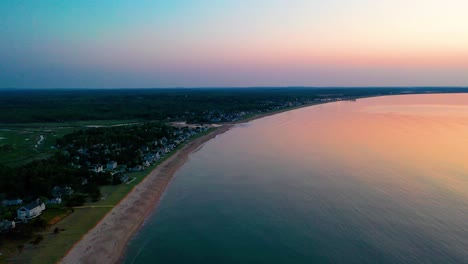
x=106 y=242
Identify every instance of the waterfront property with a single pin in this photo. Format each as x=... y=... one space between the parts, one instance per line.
x=30 y=211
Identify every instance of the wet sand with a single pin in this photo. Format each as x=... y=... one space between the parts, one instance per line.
x=106 y=242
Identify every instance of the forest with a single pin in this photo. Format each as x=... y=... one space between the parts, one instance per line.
x=193 y=105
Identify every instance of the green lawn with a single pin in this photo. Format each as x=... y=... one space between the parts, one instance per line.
x=54 y=246
x=52 y=215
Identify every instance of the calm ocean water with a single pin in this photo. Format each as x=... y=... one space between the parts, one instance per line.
x=379 y=180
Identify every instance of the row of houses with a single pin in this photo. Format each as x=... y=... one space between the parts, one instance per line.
x=23 y=214
x=97 y=168
x=95 y=157
x=33 y=209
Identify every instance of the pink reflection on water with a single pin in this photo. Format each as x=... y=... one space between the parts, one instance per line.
x=413 y=144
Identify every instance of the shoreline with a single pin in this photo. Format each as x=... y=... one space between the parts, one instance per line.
x=113 y=232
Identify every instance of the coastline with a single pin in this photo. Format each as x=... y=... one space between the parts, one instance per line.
x=113 y=232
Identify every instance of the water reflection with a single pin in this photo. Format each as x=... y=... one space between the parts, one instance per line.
x=380 y=180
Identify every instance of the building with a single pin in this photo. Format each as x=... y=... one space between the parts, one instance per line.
x=58 y=191
x=96 y=168
x=56 y=200
x=137 y=168
x=12 y=202
x=6 y=225
x=124 y=178
x=144 y=148
x=30 y=211
x=111 y=165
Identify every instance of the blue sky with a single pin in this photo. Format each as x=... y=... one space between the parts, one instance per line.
x=64 y=44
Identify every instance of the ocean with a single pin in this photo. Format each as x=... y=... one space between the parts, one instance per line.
x=377 y=180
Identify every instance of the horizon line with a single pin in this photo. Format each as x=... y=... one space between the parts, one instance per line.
x=228 y=87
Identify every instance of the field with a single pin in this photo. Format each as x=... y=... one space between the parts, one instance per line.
x=21 y=143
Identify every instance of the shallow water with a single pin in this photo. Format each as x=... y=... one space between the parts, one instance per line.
x=379 y=180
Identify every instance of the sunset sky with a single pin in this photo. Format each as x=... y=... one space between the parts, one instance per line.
x=111 y=43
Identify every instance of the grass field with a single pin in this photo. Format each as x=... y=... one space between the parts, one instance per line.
x=22 y=143
x=19 y=146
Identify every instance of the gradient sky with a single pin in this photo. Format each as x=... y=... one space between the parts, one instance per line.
x=177 y=43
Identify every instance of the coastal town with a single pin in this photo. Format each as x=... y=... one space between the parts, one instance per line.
x=92 y=158
x=85 y=167
x=100 y=156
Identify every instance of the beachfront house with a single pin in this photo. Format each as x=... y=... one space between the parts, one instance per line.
x=161 y=152
x=111 y=165
x=137 y=168
x=149 y=157
x=30 y=211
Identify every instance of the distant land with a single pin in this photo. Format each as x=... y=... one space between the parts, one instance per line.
x=188 y=104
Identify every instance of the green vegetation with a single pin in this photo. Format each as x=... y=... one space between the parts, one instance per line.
x=19 y=146
x=196 y=105
x=65 y=225
x=59 y=137
x=83 y=218
x=72 y=228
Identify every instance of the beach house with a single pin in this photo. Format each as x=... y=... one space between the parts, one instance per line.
x=111 y=165
x=31 y=210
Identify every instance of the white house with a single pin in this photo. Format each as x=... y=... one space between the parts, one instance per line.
x=96 y=168
x=111 y=165
x=30 y=211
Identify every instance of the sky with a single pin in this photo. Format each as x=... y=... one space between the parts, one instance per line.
x=232 y=43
